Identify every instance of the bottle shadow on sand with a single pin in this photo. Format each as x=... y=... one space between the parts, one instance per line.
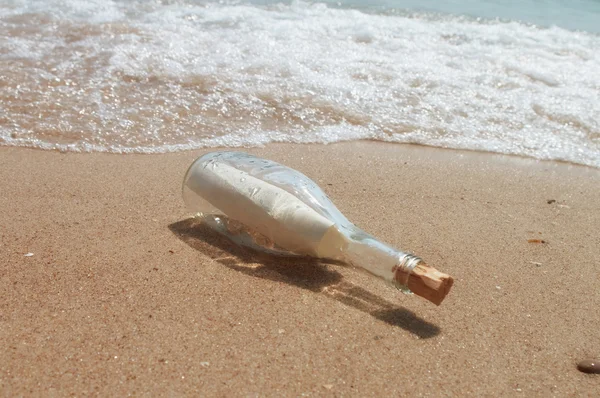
x=304 y=272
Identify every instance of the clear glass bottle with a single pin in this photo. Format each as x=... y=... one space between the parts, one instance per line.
x=271 y=207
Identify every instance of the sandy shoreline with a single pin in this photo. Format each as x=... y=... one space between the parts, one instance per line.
x=122 y=296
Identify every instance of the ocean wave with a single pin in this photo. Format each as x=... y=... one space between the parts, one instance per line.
x=168 y=76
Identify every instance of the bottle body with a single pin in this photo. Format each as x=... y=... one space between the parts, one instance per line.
x=282 y=210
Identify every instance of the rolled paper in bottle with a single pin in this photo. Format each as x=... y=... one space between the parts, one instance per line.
x=269 y=210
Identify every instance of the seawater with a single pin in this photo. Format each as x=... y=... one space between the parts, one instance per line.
x=155 y=76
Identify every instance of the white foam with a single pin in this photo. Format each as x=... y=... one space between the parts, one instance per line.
x=124 y=77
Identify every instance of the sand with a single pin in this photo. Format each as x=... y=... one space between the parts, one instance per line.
x=123 y=295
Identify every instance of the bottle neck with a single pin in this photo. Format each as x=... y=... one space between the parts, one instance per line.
x=394 y=266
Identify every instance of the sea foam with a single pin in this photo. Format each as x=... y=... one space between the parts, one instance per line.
x=168 y=76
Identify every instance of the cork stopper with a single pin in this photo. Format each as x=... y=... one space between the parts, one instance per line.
x=427 y=282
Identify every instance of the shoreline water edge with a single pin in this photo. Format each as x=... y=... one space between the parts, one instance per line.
x=142 y=76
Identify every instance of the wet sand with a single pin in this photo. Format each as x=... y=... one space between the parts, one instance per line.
x=123 y=295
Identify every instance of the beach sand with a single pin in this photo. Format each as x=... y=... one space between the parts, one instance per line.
x=122 y=295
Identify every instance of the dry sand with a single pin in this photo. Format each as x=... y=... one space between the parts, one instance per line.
x=123 y=296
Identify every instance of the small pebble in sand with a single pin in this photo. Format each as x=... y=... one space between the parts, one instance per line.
x=589 y=366
x=536 y=241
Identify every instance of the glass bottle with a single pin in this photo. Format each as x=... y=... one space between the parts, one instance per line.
x=271 y=207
